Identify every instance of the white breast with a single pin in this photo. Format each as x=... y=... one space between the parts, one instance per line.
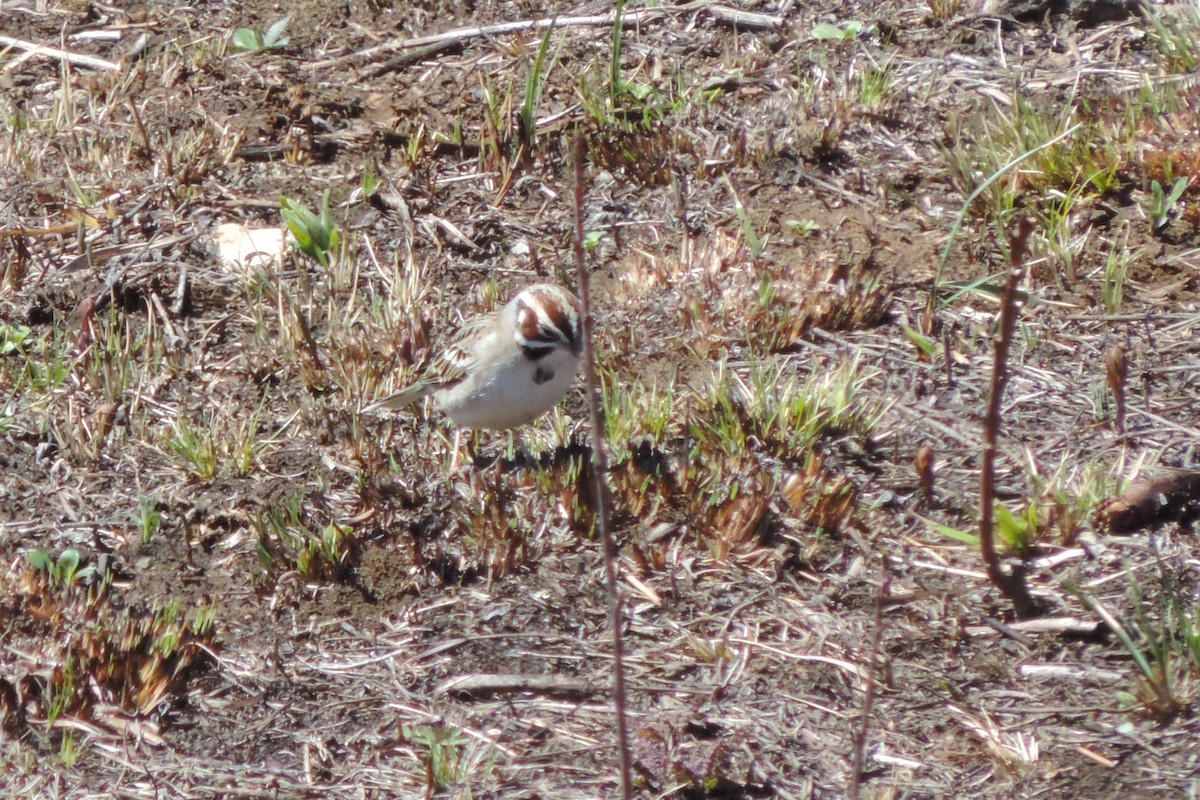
x=508 y=394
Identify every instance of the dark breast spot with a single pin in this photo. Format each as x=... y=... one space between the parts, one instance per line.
x=542 y=375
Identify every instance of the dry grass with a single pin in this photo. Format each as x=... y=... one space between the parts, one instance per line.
x=274 y=593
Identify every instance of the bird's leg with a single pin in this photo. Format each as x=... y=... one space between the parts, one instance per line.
x=472 y=447
x=457 y=444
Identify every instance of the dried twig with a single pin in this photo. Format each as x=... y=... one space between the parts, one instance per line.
x=78 y=59
x=923 y=463
x=488 y=684
x=430 y=45
x=1012 y=584
x=599 y=470
x=435 y=43
x=1117 y=372
x=860 y=736
x=745 y=20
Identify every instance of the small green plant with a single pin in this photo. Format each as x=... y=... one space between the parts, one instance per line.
x=12 y=337
x=496 y=140
x=615 y=81
x=148 y=516
x=248 y=40
x=62 y=571
x=442 y=756
x=802 y=227
x=990 y=146
x=787 y=412
x=826 y=32
x=195 y=447
x=68 y=750
x=369 y=182
x=1071 y=494
x=1154 y=100
x=754 y=244
x=286 y=541
x=1162 y=204
x=535 y=80
x=318 y=237
x=203 y=619
x=635 y=410
x=1116 y=265
x=614 y=100
x=1175 y=33
x=1162 y=651
x=925 y=346
x=942 y=10
x=62 y=696
x=874 y=85
x=766 y=291
x=1058 y=222
x=1018 y=533
x=219 y=446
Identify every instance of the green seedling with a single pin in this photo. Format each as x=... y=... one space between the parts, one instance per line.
x=1116 y=265
x=925 y=346
x=12 y=337
x=248 y=40
x=874 y=84
x=370 y=181
x=801 y=227
x=1162 y=204
x=754 y=244
x=442 y=759
x=148 y=516
x=318 y=237
x=826 y=32
x=615 y=82
x=534 y=82
x=64 y=570
x=1018 y=533
x=196 y=447
x=1175 y=33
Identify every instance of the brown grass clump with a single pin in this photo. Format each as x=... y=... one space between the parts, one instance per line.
x=136 y=660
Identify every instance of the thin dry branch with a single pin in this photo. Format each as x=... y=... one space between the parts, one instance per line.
x=860 y=736
x=435 y=43
x=1011 y=584
x=77 y=59
x=488 y=685
x=600 y=469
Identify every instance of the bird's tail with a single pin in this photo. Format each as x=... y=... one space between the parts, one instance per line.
x=401 y=398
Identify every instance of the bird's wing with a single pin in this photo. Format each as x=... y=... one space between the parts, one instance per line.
x=450 y=368
x=456 y=360
x=409 y=394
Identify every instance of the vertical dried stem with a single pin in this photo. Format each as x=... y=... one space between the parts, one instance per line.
x=860 y=736
x=599 y=470
x=1011 y=584
x=923 y=463
x=1117 y=370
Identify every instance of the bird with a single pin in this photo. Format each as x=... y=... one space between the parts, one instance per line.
x=506 y=368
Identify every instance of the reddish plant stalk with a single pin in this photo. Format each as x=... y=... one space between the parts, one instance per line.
x=599 y=470
x=1011 y=584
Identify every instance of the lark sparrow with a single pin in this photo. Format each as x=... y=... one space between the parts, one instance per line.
x=507 y=368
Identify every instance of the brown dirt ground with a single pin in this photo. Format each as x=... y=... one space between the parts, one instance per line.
x=749 y=614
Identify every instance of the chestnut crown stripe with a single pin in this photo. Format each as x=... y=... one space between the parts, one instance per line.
x=543 y=323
